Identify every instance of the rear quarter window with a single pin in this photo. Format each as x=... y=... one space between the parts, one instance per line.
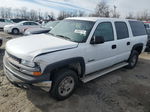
x=137 y=28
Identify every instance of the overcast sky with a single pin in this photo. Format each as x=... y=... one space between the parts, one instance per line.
x=123 y=6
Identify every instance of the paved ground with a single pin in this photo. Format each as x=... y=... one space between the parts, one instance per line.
x=120 y=91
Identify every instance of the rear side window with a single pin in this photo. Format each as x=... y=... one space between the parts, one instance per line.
x=138 y=28
x=121 y=30
x=26 y=23
x=32 y=23
x=105 y=30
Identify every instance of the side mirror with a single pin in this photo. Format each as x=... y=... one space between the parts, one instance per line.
x=97 y=40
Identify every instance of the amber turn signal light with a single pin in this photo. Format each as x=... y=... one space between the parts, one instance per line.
x=37 y=73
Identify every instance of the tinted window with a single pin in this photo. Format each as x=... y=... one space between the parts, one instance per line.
x=121 y=30
x=18 y=20
x=137 y=28
x=105 y=30
x=26 y=23
x=2 y=20
x=32 y=23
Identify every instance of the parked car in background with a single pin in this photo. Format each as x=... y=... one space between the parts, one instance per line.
x=4 y=22
x=77 y=49
x=20 y=27
x=43 y=29
x=147 y=26
x=17 y=20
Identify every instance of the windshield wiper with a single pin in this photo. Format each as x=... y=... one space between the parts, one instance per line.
x=65 y=37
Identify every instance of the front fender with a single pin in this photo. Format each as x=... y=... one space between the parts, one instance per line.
x=64 y=63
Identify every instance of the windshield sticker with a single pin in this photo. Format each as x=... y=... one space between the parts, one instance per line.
x=82 y=32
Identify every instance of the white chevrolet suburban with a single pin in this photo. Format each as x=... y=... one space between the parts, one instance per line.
x=77 y=49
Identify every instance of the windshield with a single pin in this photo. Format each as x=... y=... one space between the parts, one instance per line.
x=50 y=24
x=74 y=30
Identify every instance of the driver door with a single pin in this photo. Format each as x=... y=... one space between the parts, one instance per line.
x=101 y=55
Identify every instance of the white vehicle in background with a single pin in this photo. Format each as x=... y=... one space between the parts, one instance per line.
x=20 y=27
x=4 y=22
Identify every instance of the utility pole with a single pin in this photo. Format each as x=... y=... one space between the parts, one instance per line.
x=115 y=7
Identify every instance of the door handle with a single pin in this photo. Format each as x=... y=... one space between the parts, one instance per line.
x=114 y=46
x=128 y=43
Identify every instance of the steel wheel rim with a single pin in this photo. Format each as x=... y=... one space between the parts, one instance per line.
x=66 y=86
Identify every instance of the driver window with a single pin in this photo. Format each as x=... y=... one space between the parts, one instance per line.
x=105 y=30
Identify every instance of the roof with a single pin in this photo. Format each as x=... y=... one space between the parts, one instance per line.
x=94 y=19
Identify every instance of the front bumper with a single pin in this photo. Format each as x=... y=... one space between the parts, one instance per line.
x=20 y=79
x=7 y=30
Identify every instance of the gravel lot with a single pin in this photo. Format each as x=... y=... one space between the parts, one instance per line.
x=120 y=91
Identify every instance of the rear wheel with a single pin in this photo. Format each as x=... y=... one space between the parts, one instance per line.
x=1 y=42
x=15 y=31
x=133 y=60
x=64 y=84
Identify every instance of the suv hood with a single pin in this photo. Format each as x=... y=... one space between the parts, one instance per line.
x=30 y=46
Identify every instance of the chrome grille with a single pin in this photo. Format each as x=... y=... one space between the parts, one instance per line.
x=14 y=58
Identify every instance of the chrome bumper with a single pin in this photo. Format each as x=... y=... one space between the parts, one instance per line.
x=23 y=80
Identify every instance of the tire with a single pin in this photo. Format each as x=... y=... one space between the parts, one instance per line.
x=1 y=42
x=60 y=86
x=15 y=31
x=133 y=60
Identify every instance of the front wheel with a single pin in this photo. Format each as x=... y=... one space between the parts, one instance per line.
x=64 y=83
x=133 y=60
x=15 y=31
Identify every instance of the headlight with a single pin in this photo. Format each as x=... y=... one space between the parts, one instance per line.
x=28 y=63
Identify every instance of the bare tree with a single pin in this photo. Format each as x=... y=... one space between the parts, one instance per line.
x=143 y=16
x=130 y=16
x=2 y=12
x=51 y=16
x=114 y=12
x=8 y=13
x=40 y=17
x=24 y=13
x=63 y=15
x=81 y=13
x=102 y=10
x=33 y=15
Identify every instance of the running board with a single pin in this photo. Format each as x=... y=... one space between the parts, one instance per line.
x=103 y=72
